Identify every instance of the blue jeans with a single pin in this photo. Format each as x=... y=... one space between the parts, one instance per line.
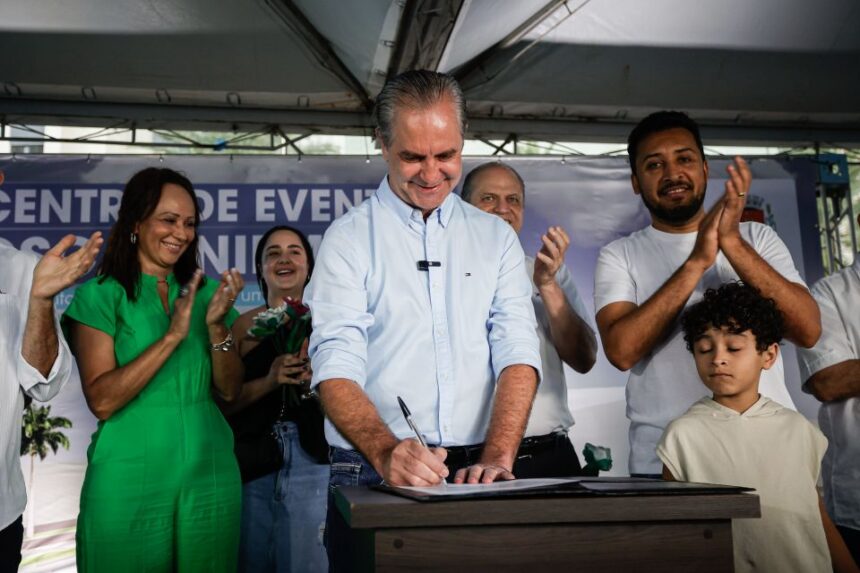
x=348 y=467
x=283 y=513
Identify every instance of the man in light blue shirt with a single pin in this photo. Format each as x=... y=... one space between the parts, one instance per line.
x=420 y=295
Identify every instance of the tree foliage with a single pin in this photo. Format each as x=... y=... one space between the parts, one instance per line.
x=39 y=431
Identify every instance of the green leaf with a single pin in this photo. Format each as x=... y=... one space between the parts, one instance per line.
x=38 y=431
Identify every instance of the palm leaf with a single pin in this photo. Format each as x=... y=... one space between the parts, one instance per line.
x=39 y=431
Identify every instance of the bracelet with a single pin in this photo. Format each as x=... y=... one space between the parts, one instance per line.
x=225 y=345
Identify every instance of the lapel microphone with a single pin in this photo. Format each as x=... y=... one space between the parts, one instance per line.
x=425 y=265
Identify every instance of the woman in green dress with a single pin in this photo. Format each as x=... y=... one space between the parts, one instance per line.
x=153 y=343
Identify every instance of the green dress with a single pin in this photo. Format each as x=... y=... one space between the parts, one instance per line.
x=162 y=489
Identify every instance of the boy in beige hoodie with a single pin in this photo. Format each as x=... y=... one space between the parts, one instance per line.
x=738 y=437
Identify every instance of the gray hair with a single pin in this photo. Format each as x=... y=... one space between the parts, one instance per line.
x=416 y=89
x=469 y=182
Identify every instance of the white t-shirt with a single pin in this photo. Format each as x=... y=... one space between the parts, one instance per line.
x=665 y=383
x=838 y=298
x=550 y=411
x=769 y=448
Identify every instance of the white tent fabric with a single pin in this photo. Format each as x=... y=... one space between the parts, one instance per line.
x=763 y=70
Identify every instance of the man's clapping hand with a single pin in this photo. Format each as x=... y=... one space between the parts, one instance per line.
x=57 y=271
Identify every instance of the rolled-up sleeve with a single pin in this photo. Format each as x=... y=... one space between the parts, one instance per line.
x=834 y=345
x=34 y=384
x=338 y=301
x=512 y=325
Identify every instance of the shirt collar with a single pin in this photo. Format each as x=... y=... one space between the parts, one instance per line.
x=152 y=279
x=762 y=406
x=667 y=236
x=407 y=213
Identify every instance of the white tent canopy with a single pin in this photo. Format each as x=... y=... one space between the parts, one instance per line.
x=776 y=71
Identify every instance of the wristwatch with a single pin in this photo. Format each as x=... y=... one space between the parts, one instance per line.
x=225 y=345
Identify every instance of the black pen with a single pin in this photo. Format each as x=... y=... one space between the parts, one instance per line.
x=408 y=415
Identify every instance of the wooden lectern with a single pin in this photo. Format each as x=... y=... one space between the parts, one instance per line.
x=666 y=533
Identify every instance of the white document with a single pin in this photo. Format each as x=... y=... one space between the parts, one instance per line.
x=460 y=489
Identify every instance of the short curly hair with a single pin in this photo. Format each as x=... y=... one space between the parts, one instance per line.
x=739 y=307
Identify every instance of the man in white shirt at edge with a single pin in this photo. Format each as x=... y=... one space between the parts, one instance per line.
x=417 y=294
x=34 y=360
x=565 y=335
x=644 y=281
x=831 y=371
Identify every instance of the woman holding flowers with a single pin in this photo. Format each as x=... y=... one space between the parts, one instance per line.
x=153 y=343
x=277 y=422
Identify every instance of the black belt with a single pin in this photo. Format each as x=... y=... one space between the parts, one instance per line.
x=540 y=441
x=470 y=454
x=464 y=450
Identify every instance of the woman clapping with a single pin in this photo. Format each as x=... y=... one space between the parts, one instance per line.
x=153 y=342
